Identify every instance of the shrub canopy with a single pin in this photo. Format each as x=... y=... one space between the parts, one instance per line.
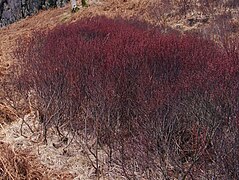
x=136 y=85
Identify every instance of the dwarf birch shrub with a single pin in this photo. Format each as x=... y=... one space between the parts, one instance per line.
x=149 y=99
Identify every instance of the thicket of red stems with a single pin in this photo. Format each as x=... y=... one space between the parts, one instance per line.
x=150 y=99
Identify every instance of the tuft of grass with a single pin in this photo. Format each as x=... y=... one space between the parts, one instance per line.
x=84 y=3
x=14 y=165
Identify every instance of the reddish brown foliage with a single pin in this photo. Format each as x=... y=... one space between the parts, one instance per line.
x=145 y=95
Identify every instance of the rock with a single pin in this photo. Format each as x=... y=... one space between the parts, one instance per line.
x=13 y=10
x=192 y=21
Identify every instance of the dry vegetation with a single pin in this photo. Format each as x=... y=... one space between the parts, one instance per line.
x=21 y=164
x=23 y=154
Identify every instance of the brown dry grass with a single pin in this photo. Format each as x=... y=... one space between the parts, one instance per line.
x=19 y=165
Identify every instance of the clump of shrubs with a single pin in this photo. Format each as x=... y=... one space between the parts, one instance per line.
x=158 y=104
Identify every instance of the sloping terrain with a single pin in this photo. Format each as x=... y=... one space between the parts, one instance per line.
x=54 y=157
